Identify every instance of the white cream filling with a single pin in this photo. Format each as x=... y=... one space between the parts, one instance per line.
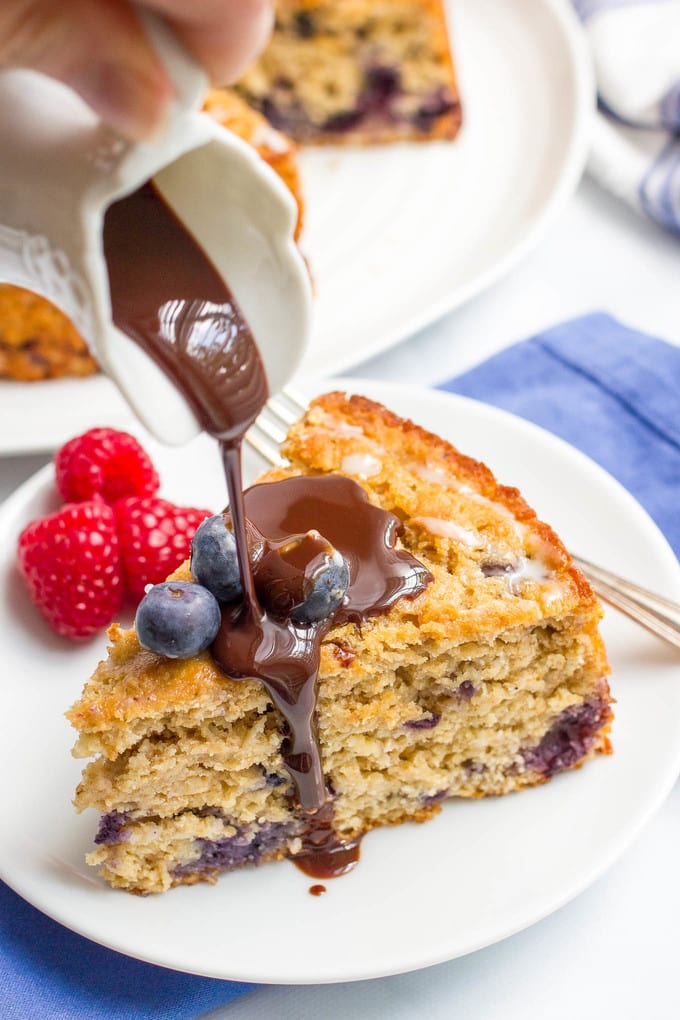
x=436 y=475
x=337 y=425
x=264 y=135
x=363 y=465
x=447 y=529
x=535 y=568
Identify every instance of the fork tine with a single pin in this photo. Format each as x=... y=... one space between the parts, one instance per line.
x=266 y=449
x=271 y=430
x=297 y=400
x=641 y=610
x=663 y=606
x=279 y=410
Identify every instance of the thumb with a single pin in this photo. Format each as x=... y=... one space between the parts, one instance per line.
x=99 y=49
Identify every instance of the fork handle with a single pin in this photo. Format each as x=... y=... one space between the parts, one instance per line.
x=659 y=615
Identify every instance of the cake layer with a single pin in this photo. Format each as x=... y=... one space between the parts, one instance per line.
x=491 y=680
x=357 y=71
x=483 y=719
x=489 y=704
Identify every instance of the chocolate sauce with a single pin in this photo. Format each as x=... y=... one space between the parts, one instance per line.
x=365 y=534
x=323 y=855
x=167 y=297
x=283 y=654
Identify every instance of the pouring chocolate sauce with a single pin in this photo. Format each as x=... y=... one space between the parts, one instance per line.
x=167 y=296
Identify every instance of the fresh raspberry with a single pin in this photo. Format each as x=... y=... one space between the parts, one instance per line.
x=155 y=537
x=106 y=463
x=70 y=561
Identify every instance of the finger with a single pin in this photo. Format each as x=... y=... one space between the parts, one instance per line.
x=225 y=36
x=98 y=49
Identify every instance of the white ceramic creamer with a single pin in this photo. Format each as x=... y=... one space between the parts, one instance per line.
x=60 y=169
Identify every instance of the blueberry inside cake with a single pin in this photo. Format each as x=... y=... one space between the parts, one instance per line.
x=487 y=676
x=349 y=71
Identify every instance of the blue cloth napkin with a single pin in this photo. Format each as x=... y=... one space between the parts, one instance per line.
x=49 y=973
x=635 y=147
x=610 y=391
x=605 y=388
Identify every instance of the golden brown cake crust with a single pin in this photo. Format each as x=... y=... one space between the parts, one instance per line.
x=146 y=683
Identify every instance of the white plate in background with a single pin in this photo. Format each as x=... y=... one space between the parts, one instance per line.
x=422 y=894
x=399 y=235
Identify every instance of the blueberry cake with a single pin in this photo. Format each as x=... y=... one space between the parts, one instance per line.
x=491 y=679
x=357 y=71
x=37 y=341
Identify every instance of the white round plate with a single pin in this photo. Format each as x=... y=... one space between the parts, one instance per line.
x=422 y=894
x=398 y=235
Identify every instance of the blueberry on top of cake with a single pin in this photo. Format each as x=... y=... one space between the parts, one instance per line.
x=492 y=677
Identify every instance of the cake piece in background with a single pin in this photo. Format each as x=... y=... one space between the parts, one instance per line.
x=357 y=71
x=37 y=341
x=491 y=679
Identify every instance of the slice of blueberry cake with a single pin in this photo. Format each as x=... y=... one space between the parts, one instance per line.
x=357 y=71
x=485 y=675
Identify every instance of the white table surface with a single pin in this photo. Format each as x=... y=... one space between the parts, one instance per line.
x=615 y=951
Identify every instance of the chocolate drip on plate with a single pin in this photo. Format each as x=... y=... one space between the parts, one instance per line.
x=323 y=855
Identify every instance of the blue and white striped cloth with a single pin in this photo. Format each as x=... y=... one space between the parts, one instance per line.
x=636 y=145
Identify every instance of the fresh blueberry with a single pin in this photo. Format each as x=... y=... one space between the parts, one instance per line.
x=177 y=619
x=214 y=562
x=326 y=592
x=304 y=25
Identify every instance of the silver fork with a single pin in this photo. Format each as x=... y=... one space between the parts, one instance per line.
x=659 y=615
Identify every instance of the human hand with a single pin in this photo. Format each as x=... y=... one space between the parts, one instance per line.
x=99 y=49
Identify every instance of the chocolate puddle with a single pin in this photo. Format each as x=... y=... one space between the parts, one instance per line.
x=167 y=296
